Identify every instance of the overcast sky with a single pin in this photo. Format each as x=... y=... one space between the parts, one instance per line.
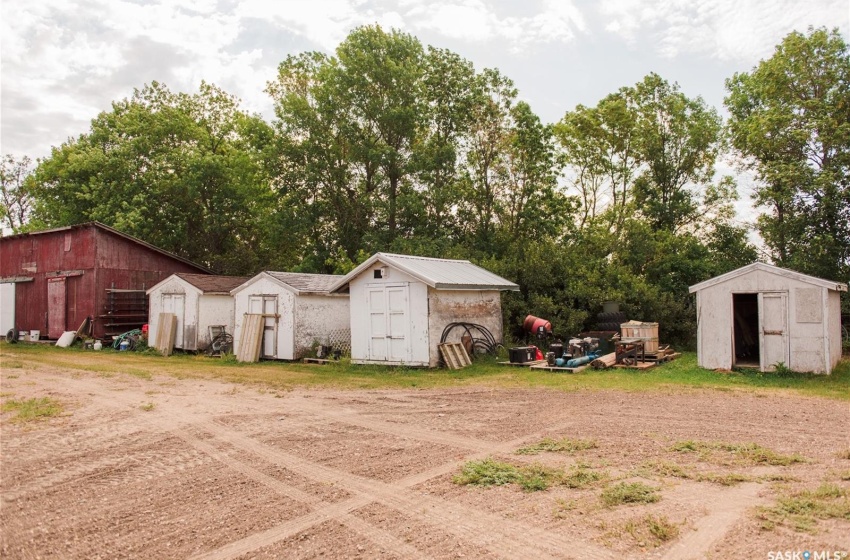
x=64 y=61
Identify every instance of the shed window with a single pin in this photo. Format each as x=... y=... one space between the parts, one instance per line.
x=378 y=273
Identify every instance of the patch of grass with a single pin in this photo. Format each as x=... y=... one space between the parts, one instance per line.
x=562 y=507
x=485 y=371
x=563 y=445
x=32 y=409
x=844 y=454
x=579 y=477
x=651 y=469
x=141 y=374
x=487 y=472
x=534 y=478
x=13 y=364
x=650 y=530
x=844 y=476
x=727 y=479
x=629 y=493
x=751 y=453
x=147 y=407
x=801 y=510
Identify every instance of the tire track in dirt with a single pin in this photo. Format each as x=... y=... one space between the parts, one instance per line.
x=725 y=509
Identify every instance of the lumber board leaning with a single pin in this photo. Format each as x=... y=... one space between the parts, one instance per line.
x=604 y=362
x=252 y=338
x=454 y=354
x=166 y=333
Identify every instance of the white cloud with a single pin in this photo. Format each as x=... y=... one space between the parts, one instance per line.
x=729 y=30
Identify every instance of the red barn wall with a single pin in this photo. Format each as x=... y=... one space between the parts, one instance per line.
x=92 y=259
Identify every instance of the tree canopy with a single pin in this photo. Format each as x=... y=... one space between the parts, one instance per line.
x=389 y=145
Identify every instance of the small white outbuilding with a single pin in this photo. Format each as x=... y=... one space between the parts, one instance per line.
x=199 y=301
x=400 y=305
x=762 y=315
x=298 y=311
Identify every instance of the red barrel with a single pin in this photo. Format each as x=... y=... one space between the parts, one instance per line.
x=532 y=324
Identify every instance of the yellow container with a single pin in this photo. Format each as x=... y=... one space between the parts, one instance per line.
x=647 y=332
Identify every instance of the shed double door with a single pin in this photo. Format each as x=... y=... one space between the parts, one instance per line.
x=389 y=322
x=773 y=319
x=267 y=307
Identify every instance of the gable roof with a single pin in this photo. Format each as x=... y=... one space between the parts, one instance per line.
x=758 y=266
x=300 y=283
x=113 y=231
x=211 y=284
x=440 y=274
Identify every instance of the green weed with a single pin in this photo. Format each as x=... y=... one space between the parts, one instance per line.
x=32 y=409
x=629 y=493
x=147 y=407
x=751 y=453
x=563 y=445
x=579 y=477
x=651 y=469
x=487 y=472
x=844 y=454
x=728 y=479
x=650 y=529
x=801 y=510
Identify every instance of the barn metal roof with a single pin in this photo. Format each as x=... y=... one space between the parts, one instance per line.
x=764 y=267
x=440 y=274
x=210 y=284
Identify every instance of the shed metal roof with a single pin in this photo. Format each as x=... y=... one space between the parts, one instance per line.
x=440 y=274
x=304 y=283
x=764 y=267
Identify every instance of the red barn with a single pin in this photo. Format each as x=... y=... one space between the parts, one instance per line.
x=56 y=278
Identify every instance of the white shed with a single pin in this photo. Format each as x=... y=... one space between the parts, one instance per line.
x=401 y=304
x=299 y=311
x=762 y=315
x=199 y=301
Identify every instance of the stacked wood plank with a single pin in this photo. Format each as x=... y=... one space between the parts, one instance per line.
x=166 y=333
x=251 y=341
x=454 y=355
x=604 y=362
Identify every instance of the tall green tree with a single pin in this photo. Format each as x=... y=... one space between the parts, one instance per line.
x=184 y=172
x=16 y=200
x=790 y=119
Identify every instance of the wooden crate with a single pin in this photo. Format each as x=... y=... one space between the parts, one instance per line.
x=647 y=332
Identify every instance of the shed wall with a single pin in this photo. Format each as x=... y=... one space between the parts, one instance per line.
x=450 y=306
x=316 y=316
x=187 y=323
x=213 y=310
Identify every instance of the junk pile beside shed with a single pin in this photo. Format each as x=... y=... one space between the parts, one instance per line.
x=401 y=305
x=763 y=316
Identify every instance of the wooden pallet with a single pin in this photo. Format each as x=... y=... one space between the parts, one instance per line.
x=661 y=358
x=639 y=365
x=526 y=364
x=556 y=369
x=454 y=355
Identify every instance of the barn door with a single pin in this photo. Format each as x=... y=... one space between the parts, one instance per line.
x=773 y=319
x=55 y=307
x=389 y=323
x=176 y=304
x=266 y=306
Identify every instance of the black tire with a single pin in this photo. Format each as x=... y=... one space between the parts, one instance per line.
x=12 y=336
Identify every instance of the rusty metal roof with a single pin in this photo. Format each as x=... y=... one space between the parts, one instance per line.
x=303 y=283
x=210 y=284
x=440 y=274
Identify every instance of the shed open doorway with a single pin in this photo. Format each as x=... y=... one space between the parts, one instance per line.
x=746 y=313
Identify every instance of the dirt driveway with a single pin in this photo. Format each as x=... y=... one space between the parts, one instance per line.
x=182 y=468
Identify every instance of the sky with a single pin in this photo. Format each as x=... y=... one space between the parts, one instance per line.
x=62 y=62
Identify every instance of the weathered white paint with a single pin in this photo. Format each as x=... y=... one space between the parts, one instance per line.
x=428 y=312
x=300 y=320
x=806 y=344
x=199 y=312
x=7 y=307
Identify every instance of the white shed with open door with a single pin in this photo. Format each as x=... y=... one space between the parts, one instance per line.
x=400 y=305
x=762 y=316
